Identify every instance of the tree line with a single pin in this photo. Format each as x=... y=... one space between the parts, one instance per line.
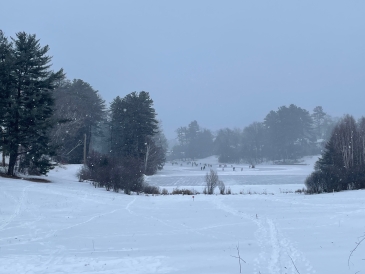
x=46 y=118
x=285 y=135
x=342 y=163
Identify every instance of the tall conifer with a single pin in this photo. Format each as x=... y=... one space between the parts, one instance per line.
x=26 y=116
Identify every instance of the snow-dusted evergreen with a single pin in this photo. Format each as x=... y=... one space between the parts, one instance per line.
x=342 y=164
x=26 y=102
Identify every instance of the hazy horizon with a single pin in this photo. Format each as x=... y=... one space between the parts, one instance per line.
x=222 y=64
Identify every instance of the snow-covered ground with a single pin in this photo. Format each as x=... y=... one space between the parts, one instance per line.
x=70 y=227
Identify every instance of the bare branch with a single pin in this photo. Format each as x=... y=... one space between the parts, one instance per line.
x=294 y=264
x=352 y=251
x=239 y=256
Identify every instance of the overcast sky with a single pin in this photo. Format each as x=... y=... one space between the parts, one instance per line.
x=222 y=63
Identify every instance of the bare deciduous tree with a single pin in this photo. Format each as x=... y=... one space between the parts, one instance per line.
x=222 y=187
x=211 y=180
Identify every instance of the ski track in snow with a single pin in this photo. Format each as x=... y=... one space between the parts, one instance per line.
x=176 y=229
x=58 y=257
x=129 y=204
x=32 y=220
x=47 y=234
x=276 y=250
x=17 y=210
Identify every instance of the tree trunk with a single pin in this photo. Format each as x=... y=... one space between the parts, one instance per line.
x=12 y=162
x=3 y=155
x=85 y=149
x=146 y=158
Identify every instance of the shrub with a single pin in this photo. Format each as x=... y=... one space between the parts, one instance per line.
x=164 y=191
x=211 y=180
x=113 y=173
x=285 y=191
x=316 y=183
x=183 y=191
x=83 y=173
x=300 y=191
x=148 y=189
x=221 y=187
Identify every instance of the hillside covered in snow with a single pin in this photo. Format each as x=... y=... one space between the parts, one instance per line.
x=67 y=226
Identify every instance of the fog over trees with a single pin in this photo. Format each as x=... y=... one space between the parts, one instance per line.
x=46 y=118
x=285 y=135
x=79 y=110
x=194 y=142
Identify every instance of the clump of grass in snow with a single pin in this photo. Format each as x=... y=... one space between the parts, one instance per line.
x=164 y=191
x=184 y=191
x=249 y=192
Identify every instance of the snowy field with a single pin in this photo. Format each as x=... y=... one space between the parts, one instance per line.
x=71 y=227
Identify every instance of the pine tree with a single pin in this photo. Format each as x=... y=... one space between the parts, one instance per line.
x=132 y=121
x=29 y=103
x=134 y=139
x=289 y=132
x=318 y=116
x=227 y=145
x=253 y=143
x=329 y=167
x=79 y=110
x=117 y=110
x=5 y=83
x=341 y=165
x=155 y=156
x=194 y=141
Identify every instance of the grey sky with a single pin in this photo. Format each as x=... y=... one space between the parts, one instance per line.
x=222 y=63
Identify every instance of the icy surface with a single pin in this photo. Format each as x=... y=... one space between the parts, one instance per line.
x=71 y=227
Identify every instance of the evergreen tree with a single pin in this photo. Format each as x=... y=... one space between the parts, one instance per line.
x=342 y=164
x=156 y=149
x=253 y=143
x=205 y=143
x=117 y=113
x=136 y=142
x=318 y=117
x=29 y=83
x=132 y=120
x=289 y=132
x=329 y=168
x=79 y=110
x=5 y=72
x=194 y=142
x=133 y=129
x=227 y=145
x=5 y=84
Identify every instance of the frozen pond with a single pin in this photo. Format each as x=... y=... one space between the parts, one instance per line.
x=198 y=180
x=184 y=174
